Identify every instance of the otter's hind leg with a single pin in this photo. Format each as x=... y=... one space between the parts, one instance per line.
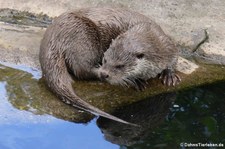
x=169 y=77
x=84 y=52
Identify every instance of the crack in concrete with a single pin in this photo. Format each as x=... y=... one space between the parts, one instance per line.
x=201 y=42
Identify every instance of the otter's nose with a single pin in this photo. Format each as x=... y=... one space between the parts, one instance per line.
x=104 y=75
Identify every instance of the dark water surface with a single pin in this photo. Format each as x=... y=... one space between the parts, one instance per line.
x=29 y=122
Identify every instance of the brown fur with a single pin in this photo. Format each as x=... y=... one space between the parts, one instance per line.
x=139 y=54
x=76 y=42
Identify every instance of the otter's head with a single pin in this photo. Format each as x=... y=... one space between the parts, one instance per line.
x=126 y=62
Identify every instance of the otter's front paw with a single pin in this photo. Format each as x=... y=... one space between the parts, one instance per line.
x=140 y=84
x=169 y=78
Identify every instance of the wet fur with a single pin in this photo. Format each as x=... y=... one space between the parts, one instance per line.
x=158 y=50
x=76 y=42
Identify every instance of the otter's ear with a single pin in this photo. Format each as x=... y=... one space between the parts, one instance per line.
x=140 y=55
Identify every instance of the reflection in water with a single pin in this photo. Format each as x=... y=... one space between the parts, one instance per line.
x=25 y=123
x=8 y=114
x=198 y=115
x=25 y=92
x=148 y=114
x=34 y=72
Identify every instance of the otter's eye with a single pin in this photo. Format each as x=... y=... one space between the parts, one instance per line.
x=98 y=65
x=140 y=55
x=119 y=66
x=104 y=61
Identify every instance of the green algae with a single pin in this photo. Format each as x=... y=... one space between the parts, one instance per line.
x=107 y=96
x=28 y=93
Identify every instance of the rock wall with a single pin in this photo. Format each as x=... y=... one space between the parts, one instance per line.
x=196 y=25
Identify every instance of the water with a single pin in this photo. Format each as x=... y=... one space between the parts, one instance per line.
x=31 y=117
x=24 y=129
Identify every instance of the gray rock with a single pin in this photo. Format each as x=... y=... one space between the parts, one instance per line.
x=185 y=66
x=20 y=44
x=185 y=21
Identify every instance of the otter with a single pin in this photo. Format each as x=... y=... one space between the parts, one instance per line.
x=112 y=44
x=141 y=53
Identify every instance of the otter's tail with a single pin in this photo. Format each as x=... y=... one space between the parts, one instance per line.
x=59 y=81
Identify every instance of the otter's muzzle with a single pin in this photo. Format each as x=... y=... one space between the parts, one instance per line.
x=104 y=75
